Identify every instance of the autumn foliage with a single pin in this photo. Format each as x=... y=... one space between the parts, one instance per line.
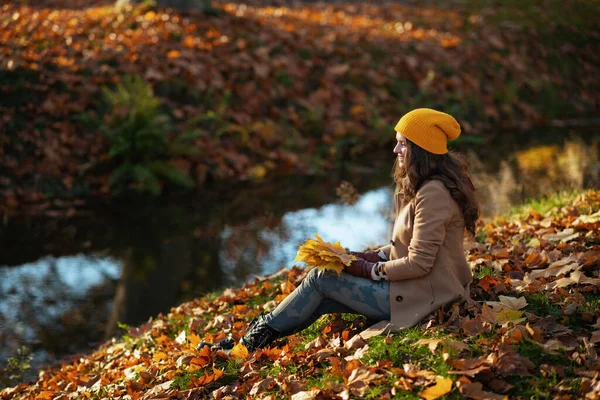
x=275 y=89
x=323 y=255
x=532 y=326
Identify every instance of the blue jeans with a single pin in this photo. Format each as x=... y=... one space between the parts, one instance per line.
x=324 y=292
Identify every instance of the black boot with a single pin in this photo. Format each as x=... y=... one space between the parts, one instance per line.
x=259 y=335
x=225 y=344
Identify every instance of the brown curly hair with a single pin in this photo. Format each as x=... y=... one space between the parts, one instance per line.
x=450 y=168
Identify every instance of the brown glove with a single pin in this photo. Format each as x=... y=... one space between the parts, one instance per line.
x=360 y=268
x=371 y=256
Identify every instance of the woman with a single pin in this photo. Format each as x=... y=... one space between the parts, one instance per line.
x=423 y=267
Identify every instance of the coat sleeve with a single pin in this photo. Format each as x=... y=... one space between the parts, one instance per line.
x=386 y=250
x=432 y=211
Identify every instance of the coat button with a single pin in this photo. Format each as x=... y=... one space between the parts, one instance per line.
x=399 y=299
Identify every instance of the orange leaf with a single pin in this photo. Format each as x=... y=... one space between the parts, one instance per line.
x=159 y=356
x=193 y=339
x=287 y=287
x=356 y=110
x=217 y=373
x=239 y=352
x=442 y=387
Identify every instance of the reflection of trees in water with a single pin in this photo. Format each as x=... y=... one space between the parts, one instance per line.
x=49 y=314
x=244 y=246
x=159 y=276
x=534 y=172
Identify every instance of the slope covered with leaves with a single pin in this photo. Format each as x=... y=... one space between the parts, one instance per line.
x=276 y=89
x=531 y=328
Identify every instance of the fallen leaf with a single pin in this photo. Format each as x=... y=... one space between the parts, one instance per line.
x=307 y=395
x=180 y=338
x=194 y=340
x=474 y=390
x=507 y=302
x=360 y=379
x=442 y=387
x=433 y=344
x=565 y=235
x=262 y=386
x=158 y=356
x=239 y=352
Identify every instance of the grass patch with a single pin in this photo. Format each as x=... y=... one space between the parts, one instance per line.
x=539 y=386
x=548 y=206
x=314 y=331
x=255 y=301
x=534 y=352
x=592 y=304
x=232 y=370
x=540 y=305
x=401 y=349
x=323 y=380
x=485 y=270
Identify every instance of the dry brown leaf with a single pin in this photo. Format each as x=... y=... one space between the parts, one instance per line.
x=262 y=386
x=507 y=302
x=306 y=395
x=565 y=235
x=474 y=390
x=433 y=344
x=360 y=379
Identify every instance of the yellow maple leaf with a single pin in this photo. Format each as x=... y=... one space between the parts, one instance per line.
x=442 y=387
x=239 y=351
x=324 y=255
x=193 y=339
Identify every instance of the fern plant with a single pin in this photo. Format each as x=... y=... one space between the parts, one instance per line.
x=138 y=142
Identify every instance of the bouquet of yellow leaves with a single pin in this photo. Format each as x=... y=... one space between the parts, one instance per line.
x=324 y=255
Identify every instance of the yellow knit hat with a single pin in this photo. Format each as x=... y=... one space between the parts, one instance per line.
x=429 y=129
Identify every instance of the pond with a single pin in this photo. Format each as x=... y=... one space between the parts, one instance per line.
x=65 y=283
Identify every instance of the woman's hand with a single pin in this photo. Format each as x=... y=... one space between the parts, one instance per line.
x=371 y=256
x=360 y=268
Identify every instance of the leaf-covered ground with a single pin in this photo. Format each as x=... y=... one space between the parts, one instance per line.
x=290 y=88
x=530 y=330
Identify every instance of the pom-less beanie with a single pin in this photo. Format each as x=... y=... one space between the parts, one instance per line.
x=429 y=129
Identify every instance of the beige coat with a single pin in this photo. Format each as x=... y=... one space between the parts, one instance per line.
x=427 y=265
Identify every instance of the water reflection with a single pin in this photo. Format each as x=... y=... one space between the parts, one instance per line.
x=44 y=299
x=64 y=283
x=364 y=224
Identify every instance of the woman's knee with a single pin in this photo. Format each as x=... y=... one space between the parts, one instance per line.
x=319 y=278
x=312 y=278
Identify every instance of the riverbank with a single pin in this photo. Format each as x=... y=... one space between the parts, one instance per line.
x=531 y=329
x=258 y=91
